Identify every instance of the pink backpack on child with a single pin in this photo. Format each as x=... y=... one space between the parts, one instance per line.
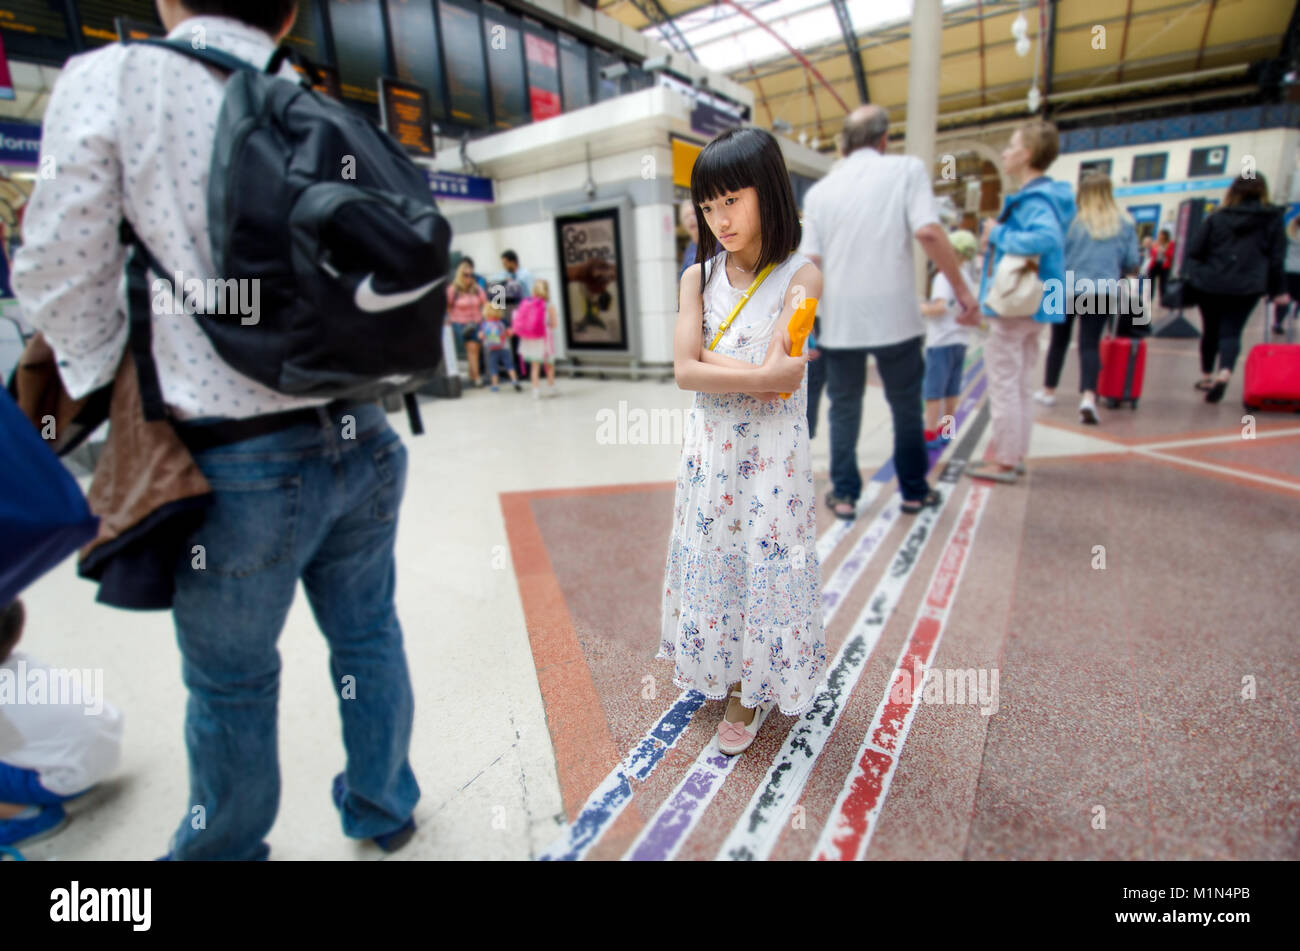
x=530 y=319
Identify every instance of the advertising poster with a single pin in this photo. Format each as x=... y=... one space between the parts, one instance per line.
x=543 y=77
x=595 y=308
x=6 y=83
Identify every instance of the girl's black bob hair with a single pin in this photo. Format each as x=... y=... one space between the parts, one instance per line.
x=747 y=158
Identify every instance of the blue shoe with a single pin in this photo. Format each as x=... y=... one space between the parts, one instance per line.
x=938 y=442
x=389 y=841
x=47 y=822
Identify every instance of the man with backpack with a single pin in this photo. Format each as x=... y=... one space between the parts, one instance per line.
x=274 y=398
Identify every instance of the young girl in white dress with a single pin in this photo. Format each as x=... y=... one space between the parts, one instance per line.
x=741 y=615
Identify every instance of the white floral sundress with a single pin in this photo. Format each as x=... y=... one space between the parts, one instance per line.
x=742 y=584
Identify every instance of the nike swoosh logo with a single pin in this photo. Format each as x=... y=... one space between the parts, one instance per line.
x=371 y=301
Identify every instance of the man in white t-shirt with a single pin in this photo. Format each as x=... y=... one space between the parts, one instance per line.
x=858 y=226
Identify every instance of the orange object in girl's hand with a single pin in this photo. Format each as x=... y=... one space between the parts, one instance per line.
x=801 y=325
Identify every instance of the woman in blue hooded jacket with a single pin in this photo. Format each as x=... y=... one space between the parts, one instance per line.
x=1033 y=222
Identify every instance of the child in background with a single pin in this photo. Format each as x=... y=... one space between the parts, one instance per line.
x=496 y=344
x=50 y=751
x=537 y=313
x=945 y=342
x=741 y=609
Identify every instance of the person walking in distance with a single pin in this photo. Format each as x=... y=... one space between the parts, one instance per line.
x=1236 y=257
x=1100 y=247
x=858 y=226
x=1033 y=222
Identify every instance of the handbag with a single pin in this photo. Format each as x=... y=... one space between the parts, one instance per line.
x=43 y=515
x=1016 y=290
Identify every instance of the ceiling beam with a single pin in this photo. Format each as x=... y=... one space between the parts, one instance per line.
x=794 y=52
x=1050 y=51
x=1017 y=87
x=851 y=49
x=762 y=98
x=1205 y=33
x=1123 y=43
x=831 y=48
x=667 y=25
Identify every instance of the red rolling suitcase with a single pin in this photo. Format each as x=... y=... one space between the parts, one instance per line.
x=1123 y=364
x=1272 y=379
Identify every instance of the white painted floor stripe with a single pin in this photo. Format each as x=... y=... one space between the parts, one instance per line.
x=761 y=824
x=1226 y=470
x=1210 y=440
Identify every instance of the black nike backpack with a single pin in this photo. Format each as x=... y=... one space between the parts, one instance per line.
x=340 y=230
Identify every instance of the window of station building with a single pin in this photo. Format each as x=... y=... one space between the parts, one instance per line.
x=359 y=47
x=575 y=74
x=417 y=55
x=1149 y=168
x=98 y=18
x=505 y=59
x=1207 y=161
x=1094 y=165
x=605 y=88
x=542 y=59
x=462 y=45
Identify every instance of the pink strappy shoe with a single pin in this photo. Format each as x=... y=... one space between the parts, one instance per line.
x=735 y=738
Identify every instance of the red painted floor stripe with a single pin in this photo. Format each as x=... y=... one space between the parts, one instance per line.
x=847 y=831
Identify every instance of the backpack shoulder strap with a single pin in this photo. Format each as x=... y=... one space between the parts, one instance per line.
x=139 y=311
x=213 y=57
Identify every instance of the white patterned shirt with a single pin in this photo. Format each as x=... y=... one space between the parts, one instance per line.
x=861 y=219
x=129 y=132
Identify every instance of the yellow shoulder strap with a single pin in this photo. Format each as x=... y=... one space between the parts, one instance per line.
x=743 y=297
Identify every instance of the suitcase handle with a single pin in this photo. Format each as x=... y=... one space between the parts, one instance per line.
x=1289 y=318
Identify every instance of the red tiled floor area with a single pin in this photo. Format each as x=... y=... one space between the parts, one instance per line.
x=1138 y=612
x=1278 y=457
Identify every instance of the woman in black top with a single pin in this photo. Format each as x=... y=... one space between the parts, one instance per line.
x=1234 y=258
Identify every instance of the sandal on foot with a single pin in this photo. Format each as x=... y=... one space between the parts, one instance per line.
x=1204 y=385
x=983 y=469
x=835 y=501
x=913 y=506
x=1215 y=393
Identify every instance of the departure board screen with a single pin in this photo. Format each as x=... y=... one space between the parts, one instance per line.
x=358 y=28
x=99 y=18
x=575 y=79
x=328 y=84
x=505 y=56
x=416 y=50
x=307 y=35
x=42 y=18
x=543 y=76
x=466 y=72
x=130 y=30
x=406 y=116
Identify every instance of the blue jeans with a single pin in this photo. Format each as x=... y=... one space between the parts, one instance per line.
x=300 y=503
x=943 y=371
x=902 y=368
x=499 y=362
x=816 y=383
